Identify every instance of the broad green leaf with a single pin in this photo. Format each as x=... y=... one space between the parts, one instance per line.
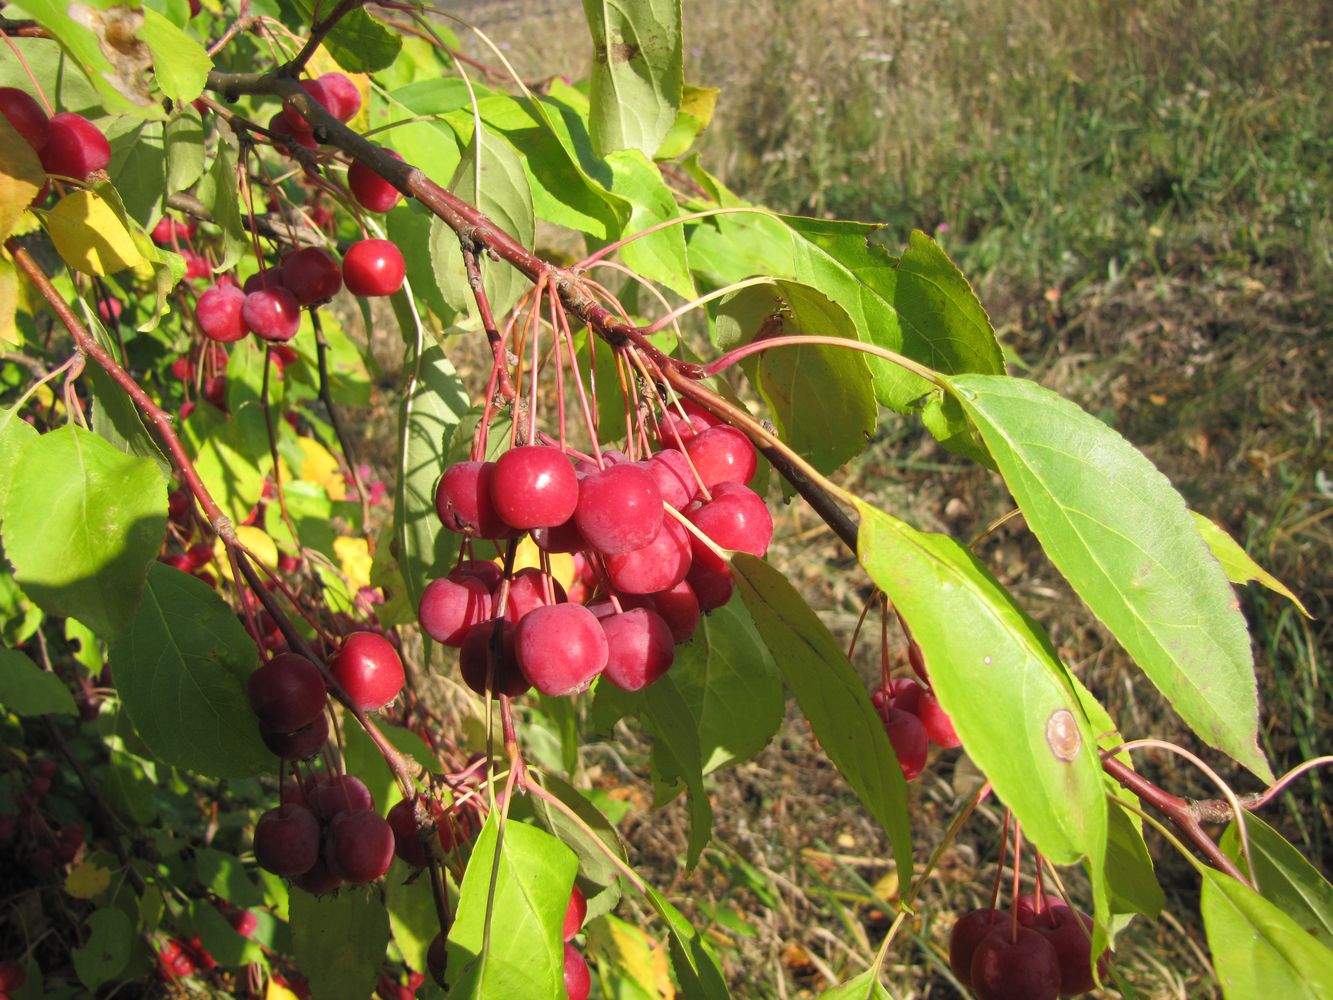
x=129 y=789
x=83 y=522
x=339 y=941
x=676 y=757
x=1131 y=880
x=532 y=874
x=412 y=917
x=224 y=876
x=822 y=398
x=594 y=865
x=217 y=191
x=230 y=949
x=696 y=967
x=106 y=951
x=180 y=64
x=1123 y=538
x=26 y=689
x=506 y=198
x=16 y=434
x=184 y=149
x=1002 y=684
x=358 y=43
x=21 y=177
x=832 y=697
x=637 y=72
x=410 y=227
x=116 y=419
x=89 y=235
x=660 y=256
x=1258 y=950
x=866 y=986
x=1284 y=877
x=431 y=145
x=227 y=450
x=181 y=669
x=1236 y=562
x=139 y=168
x=731 y=686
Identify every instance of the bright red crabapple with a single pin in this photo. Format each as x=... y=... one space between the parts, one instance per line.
x=287 y=693
x=722 y=455
x=534 y=486
x=283 y=134
x=369 y=670
x=578 y=980
x=527 y=590
x=659 y=565
x=736 y=518
x=298 y=745
x=967 y=933
x=218 y=313
x=169 y=231
x=1022 y=966
x=712 y=586
x=338 y=793
x=575 y=913
x=463 y=501
x=13 y=974
x=560 y=648
x=679 y=608
x=560 y=538
x=640 y=648
x=939 y=727
x=474 y=658
x=905 y=694
x=26 y=115
x=287 y=840
x=312 y=275
x=244 y=923
x=675 y=481
x=909 y=741
x=448 y=608
x=372 y=192
x=675 y=431
x=75 y=147
x=272 y=314
x=361 y=841
x=196 y=266
x=342 y=99
x=373 y=268
x=110 y=309
x=317 y=93
x=619 y=509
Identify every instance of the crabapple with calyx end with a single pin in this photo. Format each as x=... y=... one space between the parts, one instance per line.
x=967 y=933
x=528 y=590
x=298 y=745
x=448 y=608
x=373 y=268
x=909 y=741
x=1021 y=965
x=371 y=191
x=361 y=843
x=722 y=454
x=619 y=509
x=287 y=693
x=339 y=793
x=578 y=980
x=736 y=518
x=534 y=486
x=369 y=670
x=463 y=501
x=269 y=277
x=675 y=431
x=406 y=840
x=272 y=314
x=26 y=115
x=312 y=275
x=475 y=655
x=671 y=472
x=575 y=913
x=640 y=648
x=286 y=840
x=75 y=147
x=659 y=565
x=560 y=648
x=939 y=727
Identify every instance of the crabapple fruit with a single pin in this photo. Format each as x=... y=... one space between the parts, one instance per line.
x=287 y=693
x=369 y=670
x=373 y=268
x=619 y=509
x=560 y=647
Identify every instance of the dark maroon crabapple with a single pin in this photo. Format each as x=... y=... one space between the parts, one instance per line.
x=475 y=654
x=361 y=843
x=449 y=607
x=527 y=590
x=436 y=959
x=560 y=648
x=967 y=933
x=1015 y=966
x=369 y=670
x=534 y=486
x=272 y=314
x=373 y=268
x=268 y=277
x=287 y=693
x=75 y=147
x=312 y=275
x=672 y=474
x=639 y=648
x=939 y=727
x=659 y=565
x=1070 y=934
x=736 y=518
x=575 y=914
x=578 y=980
x=338 y=793
x=917 y=659
x=372 y=192
x=712 y=586
x=463 y=501
x=215 y=391
x=299 y=745
x=488 y=573
x=287 y=840
x=406 y=843
x=722 y=454
x=26 y=115
x=341 y=98
x=619 y=509
x=319 y=880
x=909 y=741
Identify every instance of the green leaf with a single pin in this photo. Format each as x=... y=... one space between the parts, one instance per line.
x=16 y=434
x=637 y=72
x=696 y=967
x=184 y=149
x=821 y=397
x=83 y=522
x=230 y=949
x=180 y=64
x=676 y=756
x=1237 y=564
x=832 y=697
x=1131 y=881
x=217 y=192
x=339 y=941
x=358 y=43
x=116 y=419
x=1257 y=949
x=412 y=918
x=410 y=227
x=227 y=448
x=731 y=686
x=1284 y=877
x=129 y=790
x=594 y=865
x=181 y=668
x=104 y=955
x=660 y=256
x=866 y=986
x=26 y=689
x=696 y=111
x=521 y=887
x=1123 y=538
x=223 y=875
x=1002 y=684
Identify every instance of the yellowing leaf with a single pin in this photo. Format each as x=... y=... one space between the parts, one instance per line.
x=320 y=467
x=354 y=558
x=261 y=546
x=276 y=991
x=87 y=880
x=528 y=556
x=90 y=236
x=634 y=953
x=9 y=302
x=21 y=176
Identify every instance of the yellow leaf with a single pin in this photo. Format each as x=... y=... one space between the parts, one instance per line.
x=90 y=236
x=9 y=301
x=87 y=880
x=277 y=991
x=633 y=952
x=320 y=467
x=699 y=102
x=21 y=177
x=263 y=547
x=354 y=558
x=528 y=556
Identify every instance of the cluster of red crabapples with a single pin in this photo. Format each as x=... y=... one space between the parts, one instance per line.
x=646 y=576
x=67 y=144
x=912 y=716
